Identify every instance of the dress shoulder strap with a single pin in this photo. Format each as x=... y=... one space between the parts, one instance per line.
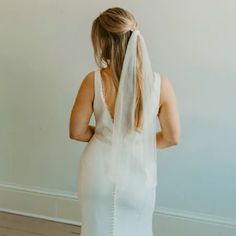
x=97 y=92
x=96 y=82
x=157 y=81
x=157 y=87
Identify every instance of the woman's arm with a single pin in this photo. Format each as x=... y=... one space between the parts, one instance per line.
x=168 y=116
x=86 y=136
x=161 y=142
x=82 y=110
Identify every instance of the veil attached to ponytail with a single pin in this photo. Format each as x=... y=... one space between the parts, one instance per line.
x=134 y=153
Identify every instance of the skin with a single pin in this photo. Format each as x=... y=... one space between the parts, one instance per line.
x=82 y=110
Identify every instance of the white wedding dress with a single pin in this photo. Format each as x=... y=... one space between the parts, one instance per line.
x=104 y=212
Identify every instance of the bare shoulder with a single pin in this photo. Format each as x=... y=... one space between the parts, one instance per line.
x=86 y=89
x=88 y=79
x=87 y=84
x=167 y=95
x=166 y=89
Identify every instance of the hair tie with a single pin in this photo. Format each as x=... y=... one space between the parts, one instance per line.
x=133 y=28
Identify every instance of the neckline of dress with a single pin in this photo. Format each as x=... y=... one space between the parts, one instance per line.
x=103 y=97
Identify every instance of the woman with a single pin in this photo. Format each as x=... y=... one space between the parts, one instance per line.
x=117 y=170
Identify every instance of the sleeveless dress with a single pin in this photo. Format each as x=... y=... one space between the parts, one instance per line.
x=102 y=211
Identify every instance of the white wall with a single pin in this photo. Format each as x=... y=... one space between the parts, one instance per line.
x=45 y=51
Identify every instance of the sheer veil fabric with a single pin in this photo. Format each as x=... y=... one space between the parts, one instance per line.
x=134 y=151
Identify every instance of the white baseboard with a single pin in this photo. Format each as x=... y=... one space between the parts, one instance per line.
x=174 y=222
x=64 y=207
x=40 y=203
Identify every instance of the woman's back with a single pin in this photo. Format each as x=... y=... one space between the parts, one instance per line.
x=105 y=98
x=104 y=210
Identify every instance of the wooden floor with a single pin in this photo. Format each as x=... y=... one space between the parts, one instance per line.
x=18 y=225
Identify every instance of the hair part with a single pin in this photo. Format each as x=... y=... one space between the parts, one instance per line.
x=110 y=35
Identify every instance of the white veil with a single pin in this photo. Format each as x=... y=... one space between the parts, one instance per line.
x=132 y=152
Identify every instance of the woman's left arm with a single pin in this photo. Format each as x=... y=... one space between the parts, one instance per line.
x=79 y=128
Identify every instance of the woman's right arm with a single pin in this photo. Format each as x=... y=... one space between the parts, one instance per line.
x=168 y=116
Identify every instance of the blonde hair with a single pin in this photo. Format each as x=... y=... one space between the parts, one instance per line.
x=110 y=34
